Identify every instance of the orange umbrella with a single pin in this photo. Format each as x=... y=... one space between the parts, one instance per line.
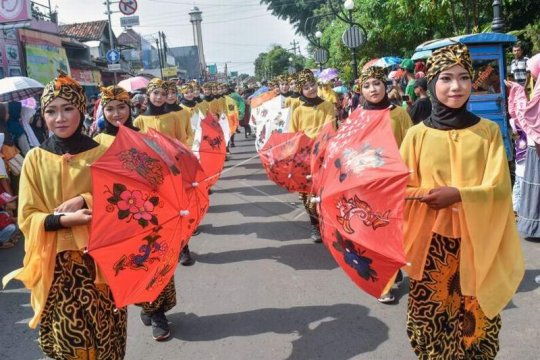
x=210 y=148
x=362 y=193
x=286 y=159
x=193 y=177
x=370 y=63
x=140 y=212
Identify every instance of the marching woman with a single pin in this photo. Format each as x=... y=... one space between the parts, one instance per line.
x=71 y=301
x=188 y=101
x=310 y=117
x=156 y=117
x=204 y=104
x=116 y=109
x=373 y=87
x=184 y=117
x=460 y=234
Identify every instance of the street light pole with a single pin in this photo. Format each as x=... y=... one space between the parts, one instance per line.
x=497 y=25
x=111 y=39
x=354 y=63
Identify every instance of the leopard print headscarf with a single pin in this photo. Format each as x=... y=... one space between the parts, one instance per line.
x=66 y=88
x=374 y=72
x=446 y=57
x=154 y=84
x=304 y=77
x=111 y=93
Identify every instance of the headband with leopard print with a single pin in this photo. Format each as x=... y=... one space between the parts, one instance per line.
x=446 y=57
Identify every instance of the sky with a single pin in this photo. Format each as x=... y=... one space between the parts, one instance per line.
x=234 y=31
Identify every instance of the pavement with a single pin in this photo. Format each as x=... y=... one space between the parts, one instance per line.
x=261 y=289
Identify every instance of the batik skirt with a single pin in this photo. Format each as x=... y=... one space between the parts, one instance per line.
x=311 y=208
x=80 y=320
x=164 y=302
x=442 y=323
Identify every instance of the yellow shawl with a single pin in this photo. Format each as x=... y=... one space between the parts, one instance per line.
x=47 y=180
x=473 y=160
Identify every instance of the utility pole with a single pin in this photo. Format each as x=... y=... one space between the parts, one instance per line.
x=111 y=39
x=295 y=45
x=159 y=58
x=225 y=71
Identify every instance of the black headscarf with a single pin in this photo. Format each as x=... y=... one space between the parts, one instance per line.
x=152 y=109
x=311 y=101
x=172 y=107
x=189 y=103
x=209 y=97
x=75 y=144
x=110 y=129
x=383 y=104
x=198 y=99
x=445 y=118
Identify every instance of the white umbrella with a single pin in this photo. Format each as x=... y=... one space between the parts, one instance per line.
x=18 y=88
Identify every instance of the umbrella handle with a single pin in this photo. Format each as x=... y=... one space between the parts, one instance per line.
x=308 y=177
x=184 y=212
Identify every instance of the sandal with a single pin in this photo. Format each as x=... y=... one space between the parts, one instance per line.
x=387 y=298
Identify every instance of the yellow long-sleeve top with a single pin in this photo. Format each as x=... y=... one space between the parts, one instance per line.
x=311 y=119
x=472 y=160
x=293 y=103
x=48 y=180
x=104 y=139
x=400 y=122
x=218 y=106
x=326 y=93
x=204 y=107
x=173 y=124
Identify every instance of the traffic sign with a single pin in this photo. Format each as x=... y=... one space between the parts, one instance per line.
x=129 y=21
x=15 y=11
x=114 y=67
x=353 y=37
x=320 y=56
x=127 y=7
x=113 y=56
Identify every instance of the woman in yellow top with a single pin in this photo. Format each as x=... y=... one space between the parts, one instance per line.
x=188 y=101
x=184 y=116
x=310 y=117
x=373 y=87
x=156 y=115
x=201 y=104
x=217 y=104
x=204 y=105
x=71 y=301
x=117 y=109
x=459 y=233
x=116 y=106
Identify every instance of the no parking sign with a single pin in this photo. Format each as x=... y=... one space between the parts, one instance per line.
x=127 y=7
x=14 y=11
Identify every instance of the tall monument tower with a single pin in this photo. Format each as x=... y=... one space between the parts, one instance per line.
x=196 y=20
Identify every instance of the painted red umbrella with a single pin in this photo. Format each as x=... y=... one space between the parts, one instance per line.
x=193 y=178
x=361 y=200
x=139 y=212
x=286 y=160
x=317 y=154
x=210 y=148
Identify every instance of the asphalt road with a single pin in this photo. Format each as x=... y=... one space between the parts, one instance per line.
x=262 y=290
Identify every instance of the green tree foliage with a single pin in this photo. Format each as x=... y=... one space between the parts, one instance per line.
x=396 y=27
x=276 y=62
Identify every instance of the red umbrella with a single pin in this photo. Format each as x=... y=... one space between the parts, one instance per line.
x=286 y=159
x=210 y=148
x=370 y=63
x=140 y=212
x=361 y=200
x=193 y=178
x=317 y=154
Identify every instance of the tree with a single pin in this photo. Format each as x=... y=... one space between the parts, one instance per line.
x=295 y=11
x=276 y=62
